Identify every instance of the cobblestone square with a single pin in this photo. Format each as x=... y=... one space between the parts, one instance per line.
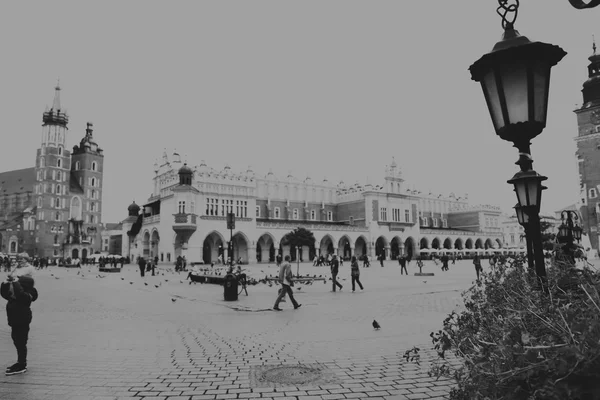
x=97 y=336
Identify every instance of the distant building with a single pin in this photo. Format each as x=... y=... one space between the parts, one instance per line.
x=112 y=240
x=588 y=154
x=187 y=211
x=54 y=208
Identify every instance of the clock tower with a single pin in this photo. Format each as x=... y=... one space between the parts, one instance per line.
x=588 y=151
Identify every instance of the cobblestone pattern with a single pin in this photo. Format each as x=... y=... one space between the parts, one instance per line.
x=121 y=337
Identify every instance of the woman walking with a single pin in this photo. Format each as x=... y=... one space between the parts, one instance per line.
x=355 y=273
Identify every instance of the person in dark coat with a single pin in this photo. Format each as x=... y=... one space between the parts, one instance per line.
x=142 y=265
x=20 y=293
x=355 y=273
x=402 y=262
x=335 y=268
x=445 y=259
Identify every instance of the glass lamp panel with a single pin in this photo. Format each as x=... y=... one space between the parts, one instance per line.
x=562 y=231
x=541 y=75
x=534 y=189
x=490 y=91
x=521 y=190
x=514 y=82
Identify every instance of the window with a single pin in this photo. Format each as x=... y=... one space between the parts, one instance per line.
x=93 y=194
x=445 y=223
x=53 y=175
x=93 y=182
x=80 y=181
x=55 y=239
x=425 y=221
x=57 y=189
x=91 y=219
x=295 y=213
x=181 y=207
x=60 y=151
x=59 y=163
x=57 y=216
x=42 y=163
x=39 y=202
x=257 y=211
x=313 y=215
x=92 y=206
x=406 y=215
x=93 y=165
x=57 y=202
x=383 y=214
x=512 y=238
x=58 y=176
x=351 y=220
x=77 y=165
x=276 y=213
x=435 y=222
x=593 y=193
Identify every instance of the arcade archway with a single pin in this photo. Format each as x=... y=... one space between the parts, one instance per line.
x=240 y=248
x=380 y=246
x=326 y=246
x=395 y=248
x=213 y=247
x=360 y=247
x=448 y=243
x=344 y=249
x=458 y=244
x=424 y=243
x=265 y=248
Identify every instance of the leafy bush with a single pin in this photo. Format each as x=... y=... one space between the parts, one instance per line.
x=518 y=343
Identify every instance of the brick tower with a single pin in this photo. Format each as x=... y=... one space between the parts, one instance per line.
x=52 y=181
x=588 y=150
x=87 y=167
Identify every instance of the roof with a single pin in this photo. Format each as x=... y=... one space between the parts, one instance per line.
x=110 y=226
x=17 y=181
x=74 y=185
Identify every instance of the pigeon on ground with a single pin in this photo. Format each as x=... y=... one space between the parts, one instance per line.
x=180 y=281
x=122 y=279
x=166 y=280
x=156 y=286
x=298 y=288
x=173 y=300
x=146 y=283
x=376 y=325
x=56 y=277
x=131 y=283
x=190 y=282
x=424 y=281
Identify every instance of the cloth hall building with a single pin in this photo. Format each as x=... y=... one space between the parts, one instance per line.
x=186 y=215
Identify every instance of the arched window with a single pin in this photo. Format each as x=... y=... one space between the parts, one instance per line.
x=57 y=202
x=93 y=194
x=92 y=206
x=93 y=182
x=75 y=209
x=77 y=165
x=59 y=163
x=593 y=193
x=60 y=151
x=57 y=189
x=39 y=202
x=93 y=165
x=55 y=239
x=58 y=176
x=42 y=163
x=57 y=216
x=276 y=212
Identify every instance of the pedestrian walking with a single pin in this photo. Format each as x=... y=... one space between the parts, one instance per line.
x=477 y=264
x=335 y=269
x=381 y=257
x=355 y=273
x=153 y=266
x=142 y=265
x=445 y=260
x=402 y=262
x=20 y=292
x=286 y=279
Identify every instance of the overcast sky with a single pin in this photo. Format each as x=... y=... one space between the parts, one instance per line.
x=319 y=88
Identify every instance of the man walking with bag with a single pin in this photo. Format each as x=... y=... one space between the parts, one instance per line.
x=335 y=267
x=287 y=281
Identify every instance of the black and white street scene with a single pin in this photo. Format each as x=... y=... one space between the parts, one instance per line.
x=308 y=200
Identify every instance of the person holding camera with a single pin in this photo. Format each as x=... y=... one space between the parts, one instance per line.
x=20 y=292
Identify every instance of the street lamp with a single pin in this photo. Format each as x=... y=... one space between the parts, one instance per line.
x=523 y=218
x=580 y=4
x=515 y=78
x=568 y=232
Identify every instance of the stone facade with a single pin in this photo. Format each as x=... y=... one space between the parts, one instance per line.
x=186 y=215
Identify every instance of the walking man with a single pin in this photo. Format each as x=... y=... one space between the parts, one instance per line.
x=142 y=265
x=287 y=281
x=381 y=257
x=402 y=262
x=355 y=273
x=335 y=268
x=445 y=260
x=477 y=264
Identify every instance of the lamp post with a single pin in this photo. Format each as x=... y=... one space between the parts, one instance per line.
x=515 y=78
x=523 y=218
x=568 y=232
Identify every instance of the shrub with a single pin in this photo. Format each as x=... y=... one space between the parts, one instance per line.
x=515 y=342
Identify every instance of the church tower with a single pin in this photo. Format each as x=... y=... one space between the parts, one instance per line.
x=52 y=181
x=87 y=168
x=393 y=178
x=588 y=150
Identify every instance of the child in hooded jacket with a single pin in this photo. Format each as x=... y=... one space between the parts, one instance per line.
x=20 y=293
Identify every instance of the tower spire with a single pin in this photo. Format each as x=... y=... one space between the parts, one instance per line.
x=56 y=102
